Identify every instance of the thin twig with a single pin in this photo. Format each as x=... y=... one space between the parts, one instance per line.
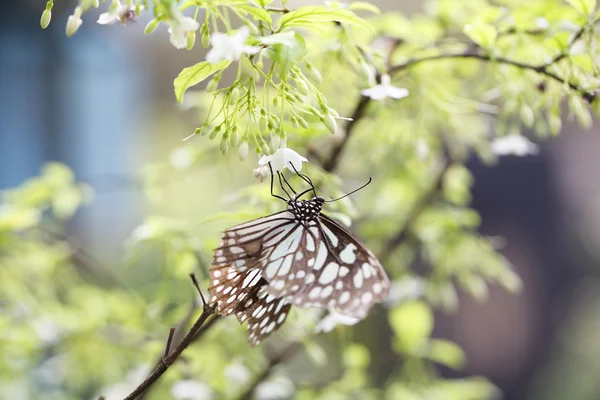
x=168 y=360
x=283 y=355
x=169 y=340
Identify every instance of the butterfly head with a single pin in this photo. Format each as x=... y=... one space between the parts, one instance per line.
x=306 y=210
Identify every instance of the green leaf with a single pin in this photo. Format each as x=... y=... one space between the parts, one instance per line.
x=356 y=356
x=481 y=33
x=446 y=353
x=259 y=13
x=309 y=16
x=287 y=55
x=412 y=322
x=263 y=3
x=363 y=6
x=195 y=74
x=583 y=6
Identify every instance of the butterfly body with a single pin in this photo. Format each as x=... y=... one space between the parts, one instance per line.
x=295 y=257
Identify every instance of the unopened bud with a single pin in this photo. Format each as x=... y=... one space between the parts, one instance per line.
x=214 y=132
x=302 y=86
x=197 y=131
x=224 y=146
x=329 y=122
x=151 y=26
x=265 y=148
x=191 y=39
x=234 y=95
x=243 y=150
x=302 y=122
x=234 y=136
x=74 y=22
x=46 y=17
x=213 y=84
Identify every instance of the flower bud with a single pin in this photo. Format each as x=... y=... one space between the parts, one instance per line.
x=191 y=39
x=275 y=102
x=197 y=131
x=243 y=150
x=151 y=26
x=302 y=122
x=46 y=17
x=329 y=122
x=206 y=130
x=214 y=132
x=234 y=136
x=302 y=86
x=74 y=22
x=265 y=148
x=224 y=146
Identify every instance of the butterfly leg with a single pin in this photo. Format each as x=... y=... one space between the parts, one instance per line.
x=305 y=179
x=272 y=178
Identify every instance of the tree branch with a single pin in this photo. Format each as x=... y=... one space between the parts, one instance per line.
x=332 y=161
x=542 y=69
x=168 y=360
x=414 y=213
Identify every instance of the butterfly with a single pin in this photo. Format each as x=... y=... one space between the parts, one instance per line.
x=298 y=256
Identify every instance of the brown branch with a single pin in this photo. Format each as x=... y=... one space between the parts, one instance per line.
x=420 y=205
x=331 y=163
x=588 y=94
x=542 y=69
x=283 y=355
x=168 y=360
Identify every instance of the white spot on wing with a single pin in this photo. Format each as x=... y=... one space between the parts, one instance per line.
x=358 y=279
x=329 y=273
x=344 y=297
x=347 y=255
x=321 y=256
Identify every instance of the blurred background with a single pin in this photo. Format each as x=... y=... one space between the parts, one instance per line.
x=102 y=102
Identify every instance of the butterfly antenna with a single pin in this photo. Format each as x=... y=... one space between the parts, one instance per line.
x=348 y=194
x=272 y=178
x=305 y=179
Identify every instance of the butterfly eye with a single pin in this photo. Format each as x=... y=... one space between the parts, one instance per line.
x=320 y=199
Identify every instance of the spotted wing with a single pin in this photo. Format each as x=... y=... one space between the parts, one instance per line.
x=248 y=245
x=345 y=276
x=242 y=293
x=328 y=269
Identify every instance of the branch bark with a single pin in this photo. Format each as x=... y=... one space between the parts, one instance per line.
x=167 y=361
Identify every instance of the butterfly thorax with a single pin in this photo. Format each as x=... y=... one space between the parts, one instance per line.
x=306 y=210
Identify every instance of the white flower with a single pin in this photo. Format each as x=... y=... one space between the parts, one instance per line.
x=542 y=23
x=74 y=21
x=179 y=27
x=182 y=158
x=513 y=144
x=285 y=38
x=275 y=389
x=261 y=173
x=283 y=158
x=230 y=47
x=422 y=149
x=385 y=89
x=116 y=13
x=407 y=288
x=191 y=390
x=237 y=373
x=334 y=319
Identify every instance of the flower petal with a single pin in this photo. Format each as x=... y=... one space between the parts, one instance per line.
x=106 y=18
x=178 y=38
x=396 y=92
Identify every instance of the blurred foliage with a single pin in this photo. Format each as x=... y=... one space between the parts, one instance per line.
x=476 y=70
